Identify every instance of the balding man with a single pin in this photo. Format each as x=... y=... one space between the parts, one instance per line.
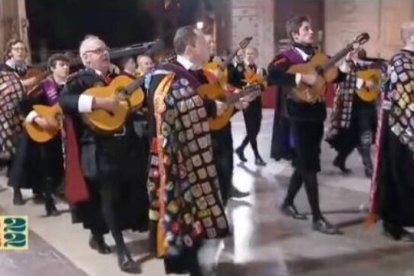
x=117 y=199
x=145 y=65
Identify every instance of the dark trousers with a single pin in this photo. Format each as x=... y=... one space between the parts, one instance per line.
x=395 y=181
x=252 y=119
x=359 y=135
x=222 y=142
x=224 y=166
x=118 y=197
x=51 y=164
x=307 y=138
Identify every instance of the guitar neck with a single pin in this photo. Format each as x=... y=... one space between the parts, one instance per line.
x=234 y=98
x=134 y=86
x=333 y=60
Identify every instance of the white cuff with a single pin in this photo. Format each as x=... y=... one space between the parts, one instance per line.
x=85 y=103
x=298 y=78
x=359 y=83
x=344 y=67
x=31 y=116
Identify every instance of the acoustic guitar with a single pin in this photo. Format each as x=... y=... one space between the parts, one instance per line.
x=52 y=113
x=217 y=76
x=222 y=120
x=131 y=96
x=370 y=94
x=126 y=89
x=220 y=69
x=324 y=66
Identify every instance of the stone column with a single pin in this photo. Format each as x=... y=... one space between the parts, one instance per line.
x=254 y=18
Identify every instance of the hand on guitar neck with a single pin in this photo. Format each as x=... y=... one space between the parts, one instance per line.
x=241 y=104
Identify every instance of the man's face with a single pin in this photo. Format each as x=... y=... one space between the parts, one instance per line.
x=305 y=34
x=97 y=56
x=250 y=56
x=130 y=65
x=211 y=44
x=61 y=69
x=240 y=56
x=145 y=64
x=200 y=52
x=18 y=52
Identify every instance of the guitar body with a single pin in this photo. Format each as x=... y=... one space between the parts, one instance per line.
x=217 y=76
x=251 y=77
x=309 y=94
x=38 y=134
x=215 y=92
x=103 y=121
x=369 y=94
x=215 y=72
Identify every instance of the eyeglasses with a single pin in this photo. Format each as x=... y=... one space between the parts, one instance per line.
x=99 y=51
x=19 y=48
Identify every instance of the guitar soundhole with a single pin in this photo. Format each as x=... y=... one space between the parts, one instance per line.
x=319 y=70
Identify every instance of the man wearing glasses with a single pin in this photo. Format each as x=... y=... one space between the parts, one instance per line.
x=108 y=164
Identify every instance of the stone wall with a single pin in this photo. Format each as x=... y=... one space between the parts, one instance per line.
x=344 y=19
x=254 y=18
x=13 y=22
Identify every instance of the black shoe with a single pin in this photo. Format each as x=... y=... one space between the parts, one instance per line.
x=259 y=162
x=340 y=163
x=126 y=263
x=98 y=243
x=392 y=230
x=51 y=208
x=17 y=197
x=397 y=232
x=240 y=154
x=407 y=236
x=236 y=193
x=291 y=211
x=325 y=227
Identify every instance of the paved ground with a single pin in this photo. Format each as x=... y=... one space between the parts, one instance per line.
x=263 y=243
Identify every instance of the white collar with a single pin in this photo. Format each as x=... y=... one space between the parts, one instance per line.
x=304 y=55
x=98 y=72
x=60 y=83
x=10 y=63
x=186 y=63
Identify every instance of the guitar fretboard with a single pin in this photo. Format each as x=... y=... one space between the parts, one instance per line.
x=251 y=89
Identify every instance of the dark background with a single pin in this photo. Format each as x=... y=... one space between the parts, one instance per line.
x=61 y=25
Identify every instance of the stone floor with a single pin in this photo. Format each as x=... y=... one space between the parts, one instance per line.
x=264 y=242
